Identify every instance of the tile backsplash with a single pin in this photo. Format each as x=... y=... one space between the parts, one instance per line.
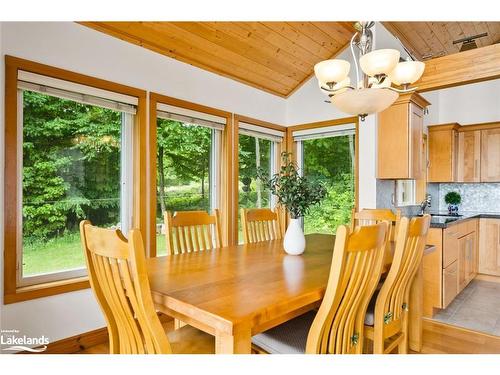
x=480 y=197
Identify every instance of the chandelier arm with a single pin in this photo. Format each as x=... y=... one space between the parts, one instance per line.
x=334 y=91
x=354 y=58
x=400 y=91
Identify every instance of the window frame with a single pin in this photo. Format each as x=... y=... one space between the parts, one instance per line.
x=225 y=141
x=13 y=291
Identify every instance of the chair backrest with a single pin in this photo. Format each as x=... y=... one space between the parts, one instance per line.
x=355 y=271
x=118 y=276
x=260 y=224
x=392 y=299
x=371 y=216
x=188 y=231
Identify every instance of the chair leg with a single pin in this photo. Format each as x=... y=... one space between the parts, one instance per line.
x=403 y=346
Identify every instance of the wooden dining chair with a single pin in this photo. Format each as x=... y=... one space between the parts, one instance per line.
x=371 y=216
x=188 y=231
x=386 y=322
x=118 y=277
x=337 y=327
x=261 y=224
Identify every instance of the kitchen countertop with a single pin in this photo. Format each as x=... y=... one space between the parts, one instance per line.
x=446 y=221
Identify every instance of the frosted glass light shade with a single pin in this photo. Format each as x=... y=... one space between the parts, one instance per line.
x=342 y=84
x=407 y=72
x=381 y=61
x=364 y=101
x=335 y=70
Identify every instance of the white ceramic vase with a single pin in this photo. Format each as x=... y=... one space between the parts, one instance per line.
x=294 y=242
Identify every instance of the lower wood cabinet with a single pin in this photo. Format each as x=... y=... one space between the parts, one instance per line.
x=489 y=247
x=467 y=251
x=452 y=267
x=450 y=284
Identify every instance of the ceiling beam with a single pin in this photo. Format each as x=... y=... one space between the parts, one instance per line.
x=481 y=64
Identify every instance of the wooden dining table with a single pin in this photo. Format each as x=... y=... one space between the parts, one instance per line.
x=238 y=291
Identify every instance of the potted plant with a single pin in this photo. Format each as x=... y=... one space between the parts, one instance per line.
x=453 y=199
x=297 y=194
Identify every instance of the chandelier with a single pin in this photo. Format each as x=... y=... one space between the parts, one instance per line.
x=380 y=69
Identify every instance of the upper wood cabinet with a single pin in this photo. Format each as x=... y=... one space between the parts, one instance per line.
x=443 y=144
x=469 y=156
x=400 y=139
x=490 y=155
x=468 y=153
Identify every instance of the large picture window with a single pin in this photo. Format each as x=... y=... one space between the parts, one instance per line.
x=328 y=155
x=76 y=164
x=188 y=147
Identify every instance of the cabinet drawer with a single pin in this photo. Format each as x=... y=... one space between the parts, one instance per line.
x=450 y=245
x=450 y=283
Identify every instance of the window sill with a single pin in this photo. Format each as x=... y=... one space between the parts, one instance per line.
x=27 y=293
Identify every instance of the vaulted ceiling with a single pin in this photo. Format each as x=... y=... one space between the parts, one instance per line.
x=278 y=57
x=273 y=56
x=433 y=39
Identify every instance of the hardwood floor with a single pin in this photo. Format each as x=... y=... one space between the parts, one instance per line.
x=439 y=338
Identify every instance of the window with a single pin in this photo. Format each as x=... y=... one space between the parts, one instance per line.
x=258 y=150
x=328 y=154
x=405 y=192
x=70 y=145
x=188 y=147
x=74 y=167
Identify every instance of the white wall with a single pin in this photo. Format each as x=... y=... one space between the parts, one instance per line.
x=467 y=104
x=79 y=49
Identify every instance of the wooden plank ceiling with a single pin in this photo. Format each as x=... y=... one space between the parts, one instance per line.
x=273 y=56
x=434 y=39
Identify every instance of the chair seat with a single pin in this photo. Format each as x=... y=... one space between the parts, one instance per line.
x=189 y=340
x=287 y=338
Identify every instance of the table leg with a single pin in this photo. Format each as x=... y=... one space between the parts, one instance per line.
x=415 y=313
x=239 y=343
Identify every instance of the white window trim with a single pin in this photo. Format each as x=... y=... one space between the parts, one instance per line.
x=126 y=205
x=261 y=132
x=325 y=132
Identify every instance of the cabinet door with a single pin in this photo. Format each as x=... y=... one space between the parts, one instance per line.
x=450 y=284
x=489 y=247
x=490 y=155
x=450 y=245
x=469 y=156
x=416 y=140
x=462 y=262
x=442 y=155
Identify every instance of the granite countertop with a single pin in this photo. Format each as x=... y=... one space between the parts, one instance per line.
x=446 y=220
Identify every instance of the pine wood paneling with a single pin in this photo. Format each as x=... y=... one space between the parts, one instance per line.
x=276 y=57
x=434 y=39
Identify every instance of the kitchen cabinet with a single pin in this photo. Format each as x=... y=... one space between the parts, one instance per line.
x=443 y=144
x=490 y=155
x=400 y=139
x=466 y=259
x=489 y=247
x=450 y=284
x=469 y=156
x=453 y=265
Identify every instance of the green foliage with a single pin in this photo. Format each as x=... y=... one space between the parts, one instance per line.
x=333 y=211
x=71 y=165
x=293 y=191
x=183 y=158
x=452 y=198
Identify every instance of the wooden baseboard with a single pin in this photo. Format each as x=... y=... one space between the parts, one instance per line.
x=83 y=341
x=490 y=278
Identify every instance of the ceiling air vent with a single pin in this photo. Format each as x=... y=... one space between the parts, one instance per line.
x=469 y=42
